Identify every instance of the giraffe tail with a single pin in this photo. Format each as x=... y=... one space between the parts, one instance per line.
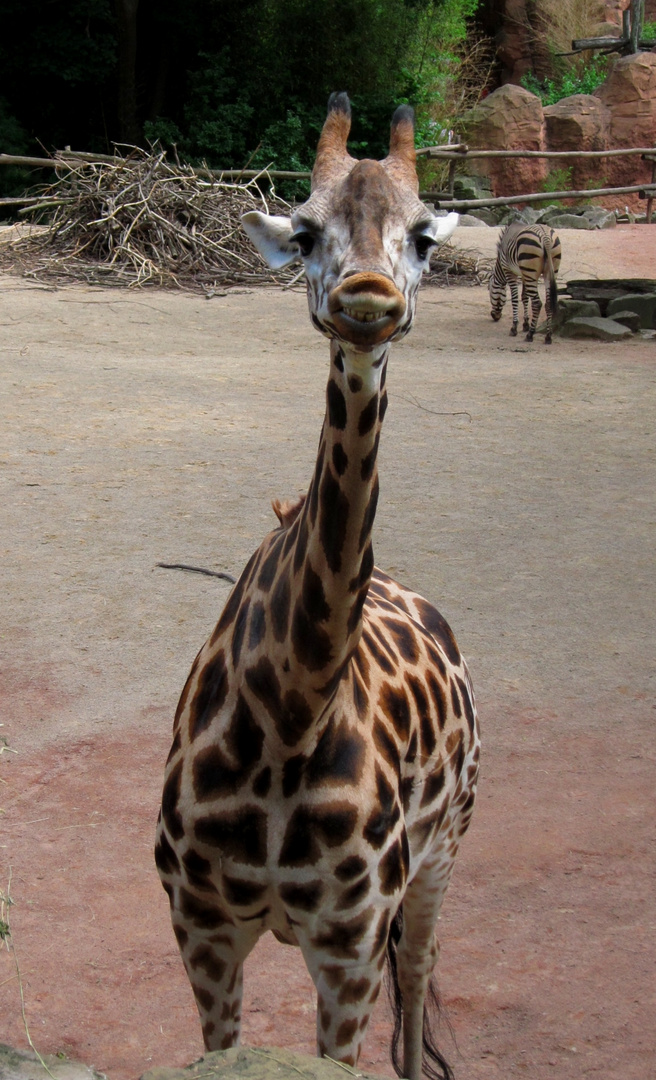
x=434 y=1064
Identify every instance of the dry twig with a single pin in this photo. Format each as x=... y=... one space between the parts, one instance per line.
x=142 y=220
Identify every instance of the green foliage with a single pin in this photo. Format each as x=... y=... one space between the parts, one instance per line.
x=231 y=82
x=582 y=80
x=648 y=31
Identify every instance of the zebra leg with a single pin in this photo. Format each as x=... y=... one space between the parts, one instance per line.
x=525 y=325
x=514 y=297
x=536 y=305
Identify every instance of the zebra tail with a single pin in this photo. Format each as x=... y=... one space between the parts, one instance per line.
x=551 y=277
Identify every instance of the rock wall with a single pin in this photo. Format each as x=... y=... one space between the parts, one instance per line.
x=621 y=113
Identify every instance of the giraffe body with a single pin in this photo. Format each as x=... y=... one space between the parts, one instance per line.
x=325 y=750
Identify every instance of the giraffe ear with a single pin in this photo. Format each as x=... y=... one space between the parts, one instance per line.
x=442 y=227
x=271 y=235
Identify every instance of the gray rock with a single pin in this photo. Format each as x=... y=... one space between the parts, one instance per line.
x=470 y=219
x=241 y=1063
x=600 y=218
x=572 y=309
x=509 y=215
x=530 y=215
x=485 y=215
x=565 y=220
x=471 y=187
x=644 y=304
x=601 y=329
x=545 y=215
x=24 y=1065
x=628 y=318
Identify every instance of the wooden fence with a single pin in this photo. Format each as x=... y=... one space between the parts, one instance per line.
x=455 y=154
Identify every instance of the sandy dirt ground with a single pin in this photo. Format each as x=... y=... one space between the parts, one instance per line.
x=517 y=493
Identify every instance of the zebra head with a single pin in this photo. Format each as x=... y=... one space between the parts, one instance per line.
x=364 y=236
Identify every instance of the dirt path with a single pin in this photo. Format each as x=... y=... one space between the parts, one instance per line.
x=517 y=493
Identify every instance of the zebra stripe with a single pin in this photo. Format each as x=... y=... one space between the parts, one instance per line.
x=525 y=253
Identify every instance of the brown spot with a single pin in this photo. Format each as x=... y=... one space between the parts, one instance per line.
x=346 y=1032
x=198 y=871
x=170 y=796
x=355 y=383
x=200 y=912
x=439 y=628
x=204 y=998
x=341 y=938
x=239 y=834
x=166 y=859
x=204 y=958
x=394 y=704
x=262 y=783
x=306 y=896
x=210 y=695
x=242 y=893
x=311 y=826
x=350 y=867
x=391 y=869
x=351 y=897
x=368 y=416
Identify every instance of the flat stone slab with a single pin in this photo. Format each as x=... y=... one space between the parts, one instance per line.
x=601 y=329
x=257 y=1064
x=24 y=1065
x=627 y=318
x=643 y=304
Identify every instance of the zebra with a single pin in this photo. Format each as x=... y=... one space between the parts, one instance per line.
x=526 y=253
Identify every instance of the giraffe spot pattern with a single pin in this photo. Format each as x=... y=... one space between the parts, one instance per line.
x=353 y=991
x=369 y=515
x=340 y=459
x=368 y=463
x=393 y=868
x=311 y=827
x=205 y=959
x=279 y=607
x=340 y=939
x=200 y=912
x=238 y=834
x=198 y=871
x=166 y=859
x=239 y=631
x=204 y=998
x=291 y=714
x=355 y=384
x=404 y=638
x=382 y=820
x=380 y=658
x=170 y=798
x=306 y=897
x=368 y=416
x=257 y=628
x=210 y=695
x=353 y=896
x=338 y=757
x=214 y=773
x=336 y=406
x=333 y=521
x=350 y=868
x=241 y=893
x=345 y=1032
x=262 y=782
x=393 y=702
x=439 y=628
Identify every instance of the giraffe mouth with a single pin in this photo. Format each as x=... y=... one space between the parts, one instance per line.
x=366 y=309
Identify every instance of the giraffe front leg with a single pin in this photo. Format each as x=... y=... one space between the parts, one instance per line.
x=346 y=994
x=213 y=953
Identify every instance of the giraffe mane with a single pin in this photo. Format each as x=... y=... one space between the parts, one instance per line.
x=287 y=510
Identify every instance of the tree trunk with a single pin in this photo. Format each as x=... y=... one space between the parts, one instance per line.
x=129 y=128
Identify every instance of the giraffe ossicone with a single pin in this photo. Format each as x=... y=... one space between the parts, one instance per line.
x=325 y=750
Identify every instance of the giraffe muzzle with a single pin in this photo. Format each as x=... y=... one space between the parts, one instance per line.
x=366 y=309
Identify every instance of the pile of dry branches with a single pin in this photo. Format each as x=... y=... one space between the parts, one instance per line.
x=142 y=220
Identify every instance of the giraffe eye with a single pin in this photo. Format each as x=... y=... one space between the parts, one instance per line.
x=305 y=241
x=423 y=244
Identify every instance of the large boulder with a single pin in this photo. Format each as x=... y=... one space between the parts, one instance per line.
x=511 y=118
x=629 y=93
x=579 y=122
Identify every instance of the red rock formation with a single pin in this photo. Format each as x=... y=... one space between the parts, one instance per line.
x=580 y=122
x=511 y=118
x=629 y=94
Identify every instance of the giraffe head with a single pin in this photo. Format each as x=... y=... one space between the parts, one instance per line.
x=363 y=236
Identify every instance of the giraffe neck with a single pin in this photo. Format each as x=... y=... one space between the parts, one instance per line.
x=332 y=560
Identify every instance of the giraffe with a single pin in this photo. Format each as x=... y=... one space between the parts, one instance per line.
x=325 y=749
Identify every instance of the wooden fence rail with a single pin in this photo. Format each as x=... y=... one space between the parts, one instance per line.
x=454 y=153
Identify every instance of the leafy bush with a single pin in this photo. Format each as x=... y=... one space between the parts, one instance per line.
x=584 y=80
